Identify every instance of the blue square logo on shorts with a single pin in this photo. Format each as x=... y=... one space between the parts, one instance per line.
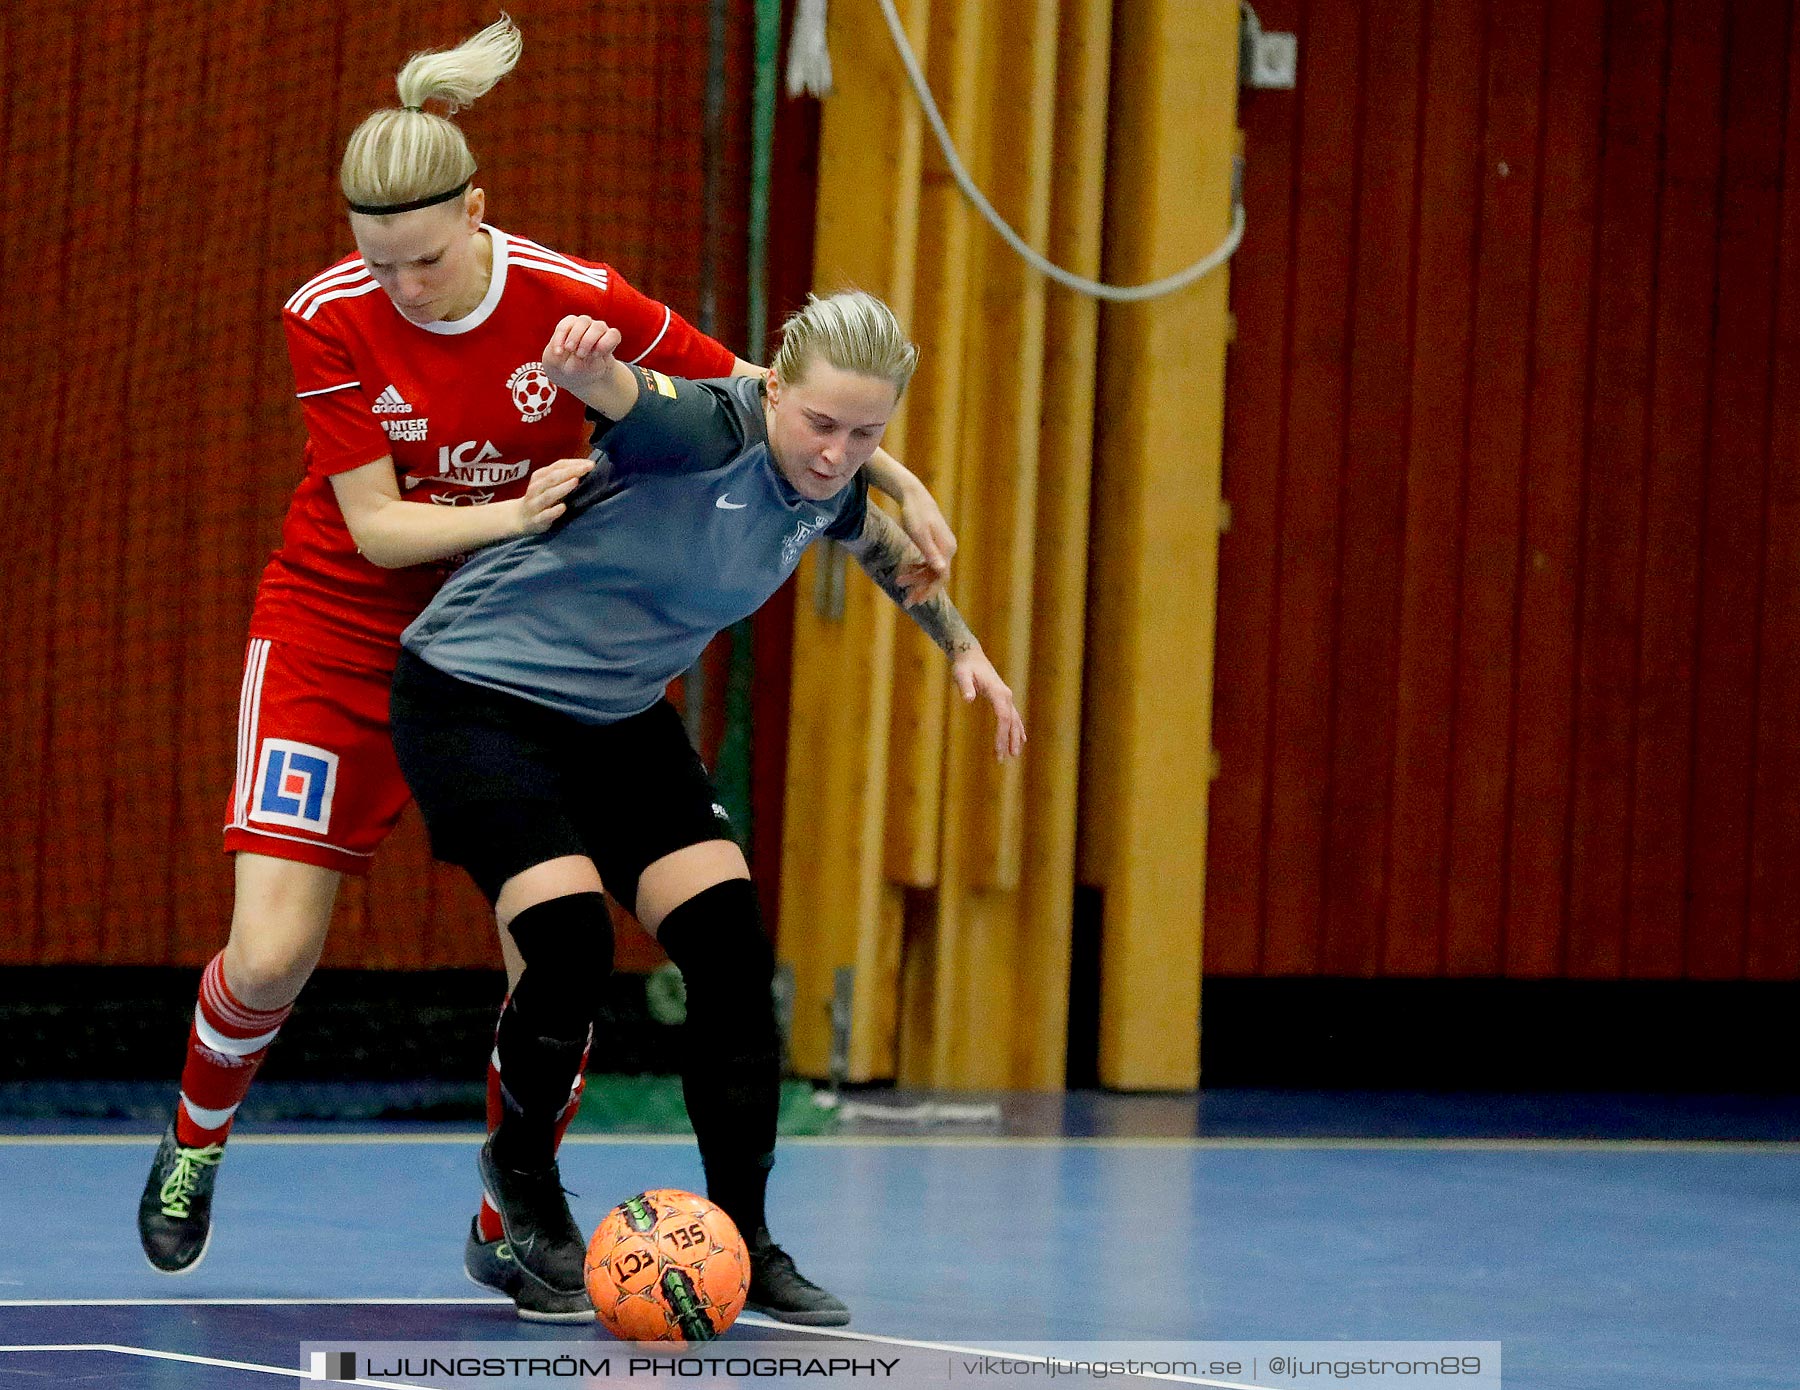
x=294 y=785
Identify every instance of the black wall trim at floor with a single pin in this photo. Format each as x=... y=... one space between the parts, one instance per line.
x=1537 y=1035
x=1330 y=1033
x=119 y=1023
x=114 y=1023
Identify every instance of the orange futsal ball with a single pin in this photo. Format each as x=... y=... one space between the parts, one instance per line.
x=667 y=1266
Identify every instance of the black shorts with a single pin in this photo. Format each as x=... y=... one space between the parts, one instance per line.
x=505 y=783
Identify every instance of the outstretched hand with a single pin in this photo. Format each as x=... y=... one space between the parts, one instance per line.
x=975 y=675
x=925 y=526
x=579 y=355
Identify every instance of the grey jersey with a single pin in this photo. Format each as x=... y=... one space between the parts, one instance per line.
x=684 y=527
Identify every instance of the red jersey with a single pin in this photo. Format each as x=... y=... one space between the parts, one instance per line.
x=463 y=408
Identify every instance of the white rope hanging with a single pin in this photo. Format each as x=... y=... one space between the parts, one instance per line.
x=1079 y=283
x=809 y=72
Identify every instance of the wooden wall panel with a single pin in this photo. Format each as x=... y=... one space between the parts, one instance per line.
x=1253 y=449
x=1550 y=578
x=1481 y=715
x=980 y=934
x=1058 y=633
x=1371 y=497
x=1772 y=944
x=1506 y=661
x=35 y=260
x=1449 y=178
x=1301 y=666
x=1686 y=236
x=1732 y=537
x=935 y=415
x=1156 y=511
x=1612 y=496
x=114 y=551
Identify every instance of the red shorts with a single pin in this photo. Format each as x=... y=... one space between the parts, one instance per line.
x=316 y=776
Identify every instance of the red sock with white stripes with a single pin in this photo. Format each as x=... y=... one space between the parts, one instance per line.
x=489 y=1219
x=226 y=1044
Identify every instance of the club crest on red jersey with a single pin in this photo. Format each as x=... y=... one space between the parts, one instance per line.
x=532 y=391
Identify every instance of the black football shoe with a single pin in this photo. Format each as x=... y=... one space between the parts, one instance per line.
x=175 y=1212
x=490 y=1263
x=541 y=1235
x=784 y=1293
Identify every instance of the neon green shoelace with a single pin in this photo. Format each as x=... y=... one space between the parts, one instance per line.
x=178 y=1188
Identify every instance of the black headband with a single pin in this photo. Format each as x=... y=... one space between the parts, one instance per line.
x=386 y=209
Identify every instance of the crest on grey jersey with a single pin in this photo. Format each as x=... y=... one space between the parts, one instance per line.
x=796 y=540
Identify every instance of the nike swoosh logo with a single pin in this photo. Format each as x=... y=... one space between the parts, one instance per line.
x=724 y=503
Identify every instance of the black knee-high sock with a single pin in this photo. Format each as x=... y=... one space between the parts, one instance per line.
x=734 y=1109
x=731 y=1048
x=536 y=1071
x=567 y=945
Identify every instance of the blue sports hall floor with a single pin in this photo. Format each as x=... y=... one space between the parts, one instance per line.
x=1604 y=1242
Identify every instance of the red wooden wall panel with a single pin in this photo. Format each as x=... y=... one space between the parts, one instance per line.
x=1508 y=656
x=36 y=263
x=1255 y=448
x=1614 y=442
x=1371 y=496
x=1686 y=277
x=1544 y=622
x=1772 y=945
x=1481 y=715
x=1449 y=181
x=1300 y=672
x=1735 y=506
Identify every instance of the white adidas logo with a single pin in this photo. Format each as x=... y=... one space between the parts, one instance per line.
x=389 y=402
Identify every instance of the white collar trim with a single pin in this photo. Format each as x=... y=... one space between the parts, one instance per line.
x=489 y=301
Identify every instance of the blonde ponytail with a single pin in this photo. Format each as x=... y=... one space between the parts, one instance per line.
x=411 y=156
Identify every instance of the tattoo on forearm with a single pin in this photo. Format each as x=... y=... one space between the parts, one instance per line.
x=883 y=551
